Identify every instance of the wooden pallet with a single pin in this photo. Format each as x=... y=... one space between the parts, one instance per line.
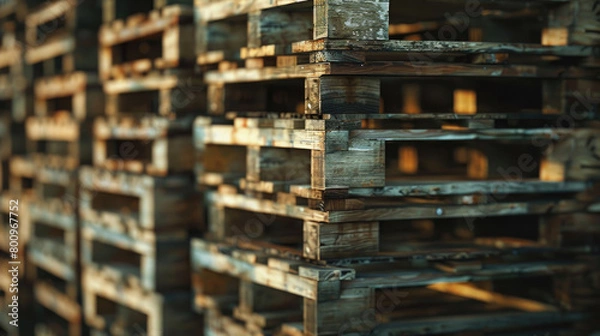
x=134 y=203
x=218 y=324
x=114 y=10
x=56 y=313
x=281 y=154
x=22 y=172
x=60 y=138
x=169 y=93
x=151 y=145
x=334 y=299
x=376 y=226
x=228 y=28
x=160 y=40
x=114 y=309
x=14 y=95
x=146 y=261
x=60 y=36
x=79 y=94
x=14 y=74
x=371 y=87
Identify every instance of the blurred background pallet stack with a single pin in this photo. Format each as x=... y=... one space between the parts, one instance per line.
x=15 y=106
x=62 y=52
x=138 y=202
x=399 y=168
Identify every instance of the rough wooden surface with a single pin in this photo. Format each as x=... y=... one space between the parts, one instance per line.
x=147 y=261
x=369 y=88
x=82 y=88
x=170 y=93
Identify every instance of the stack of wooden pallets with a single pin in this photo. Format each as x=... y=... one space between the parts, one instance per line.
x=138 y=202
x=15 y=85
x=62 y=51
x=398 y=168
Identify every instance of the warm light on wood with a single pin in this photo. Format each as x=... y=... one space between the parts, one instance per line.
x=408 y=160
x=477 y=165
x=551 y=171
x=465 y=102
x=471 y=292
x=555 y=36
x=411 y=94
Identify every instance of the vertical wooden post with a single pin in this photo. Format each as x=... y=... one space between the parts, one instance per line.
x=351 y=19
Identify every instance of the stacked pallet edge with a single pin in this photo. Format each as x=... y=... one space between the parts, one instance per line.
x=386 y=168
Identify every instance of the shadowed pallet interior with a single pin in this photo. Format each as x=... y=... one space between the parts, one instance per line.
x=169 y=93
x=226 y=29
x=320 y=235
x=149 y=145
x=372 y=88
x=60 y=139
x=162 y=39
x=147 y=261
x=278 y=156
x=77 y=95
x=138 y=202
x=114 y=10
x=121 y=310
